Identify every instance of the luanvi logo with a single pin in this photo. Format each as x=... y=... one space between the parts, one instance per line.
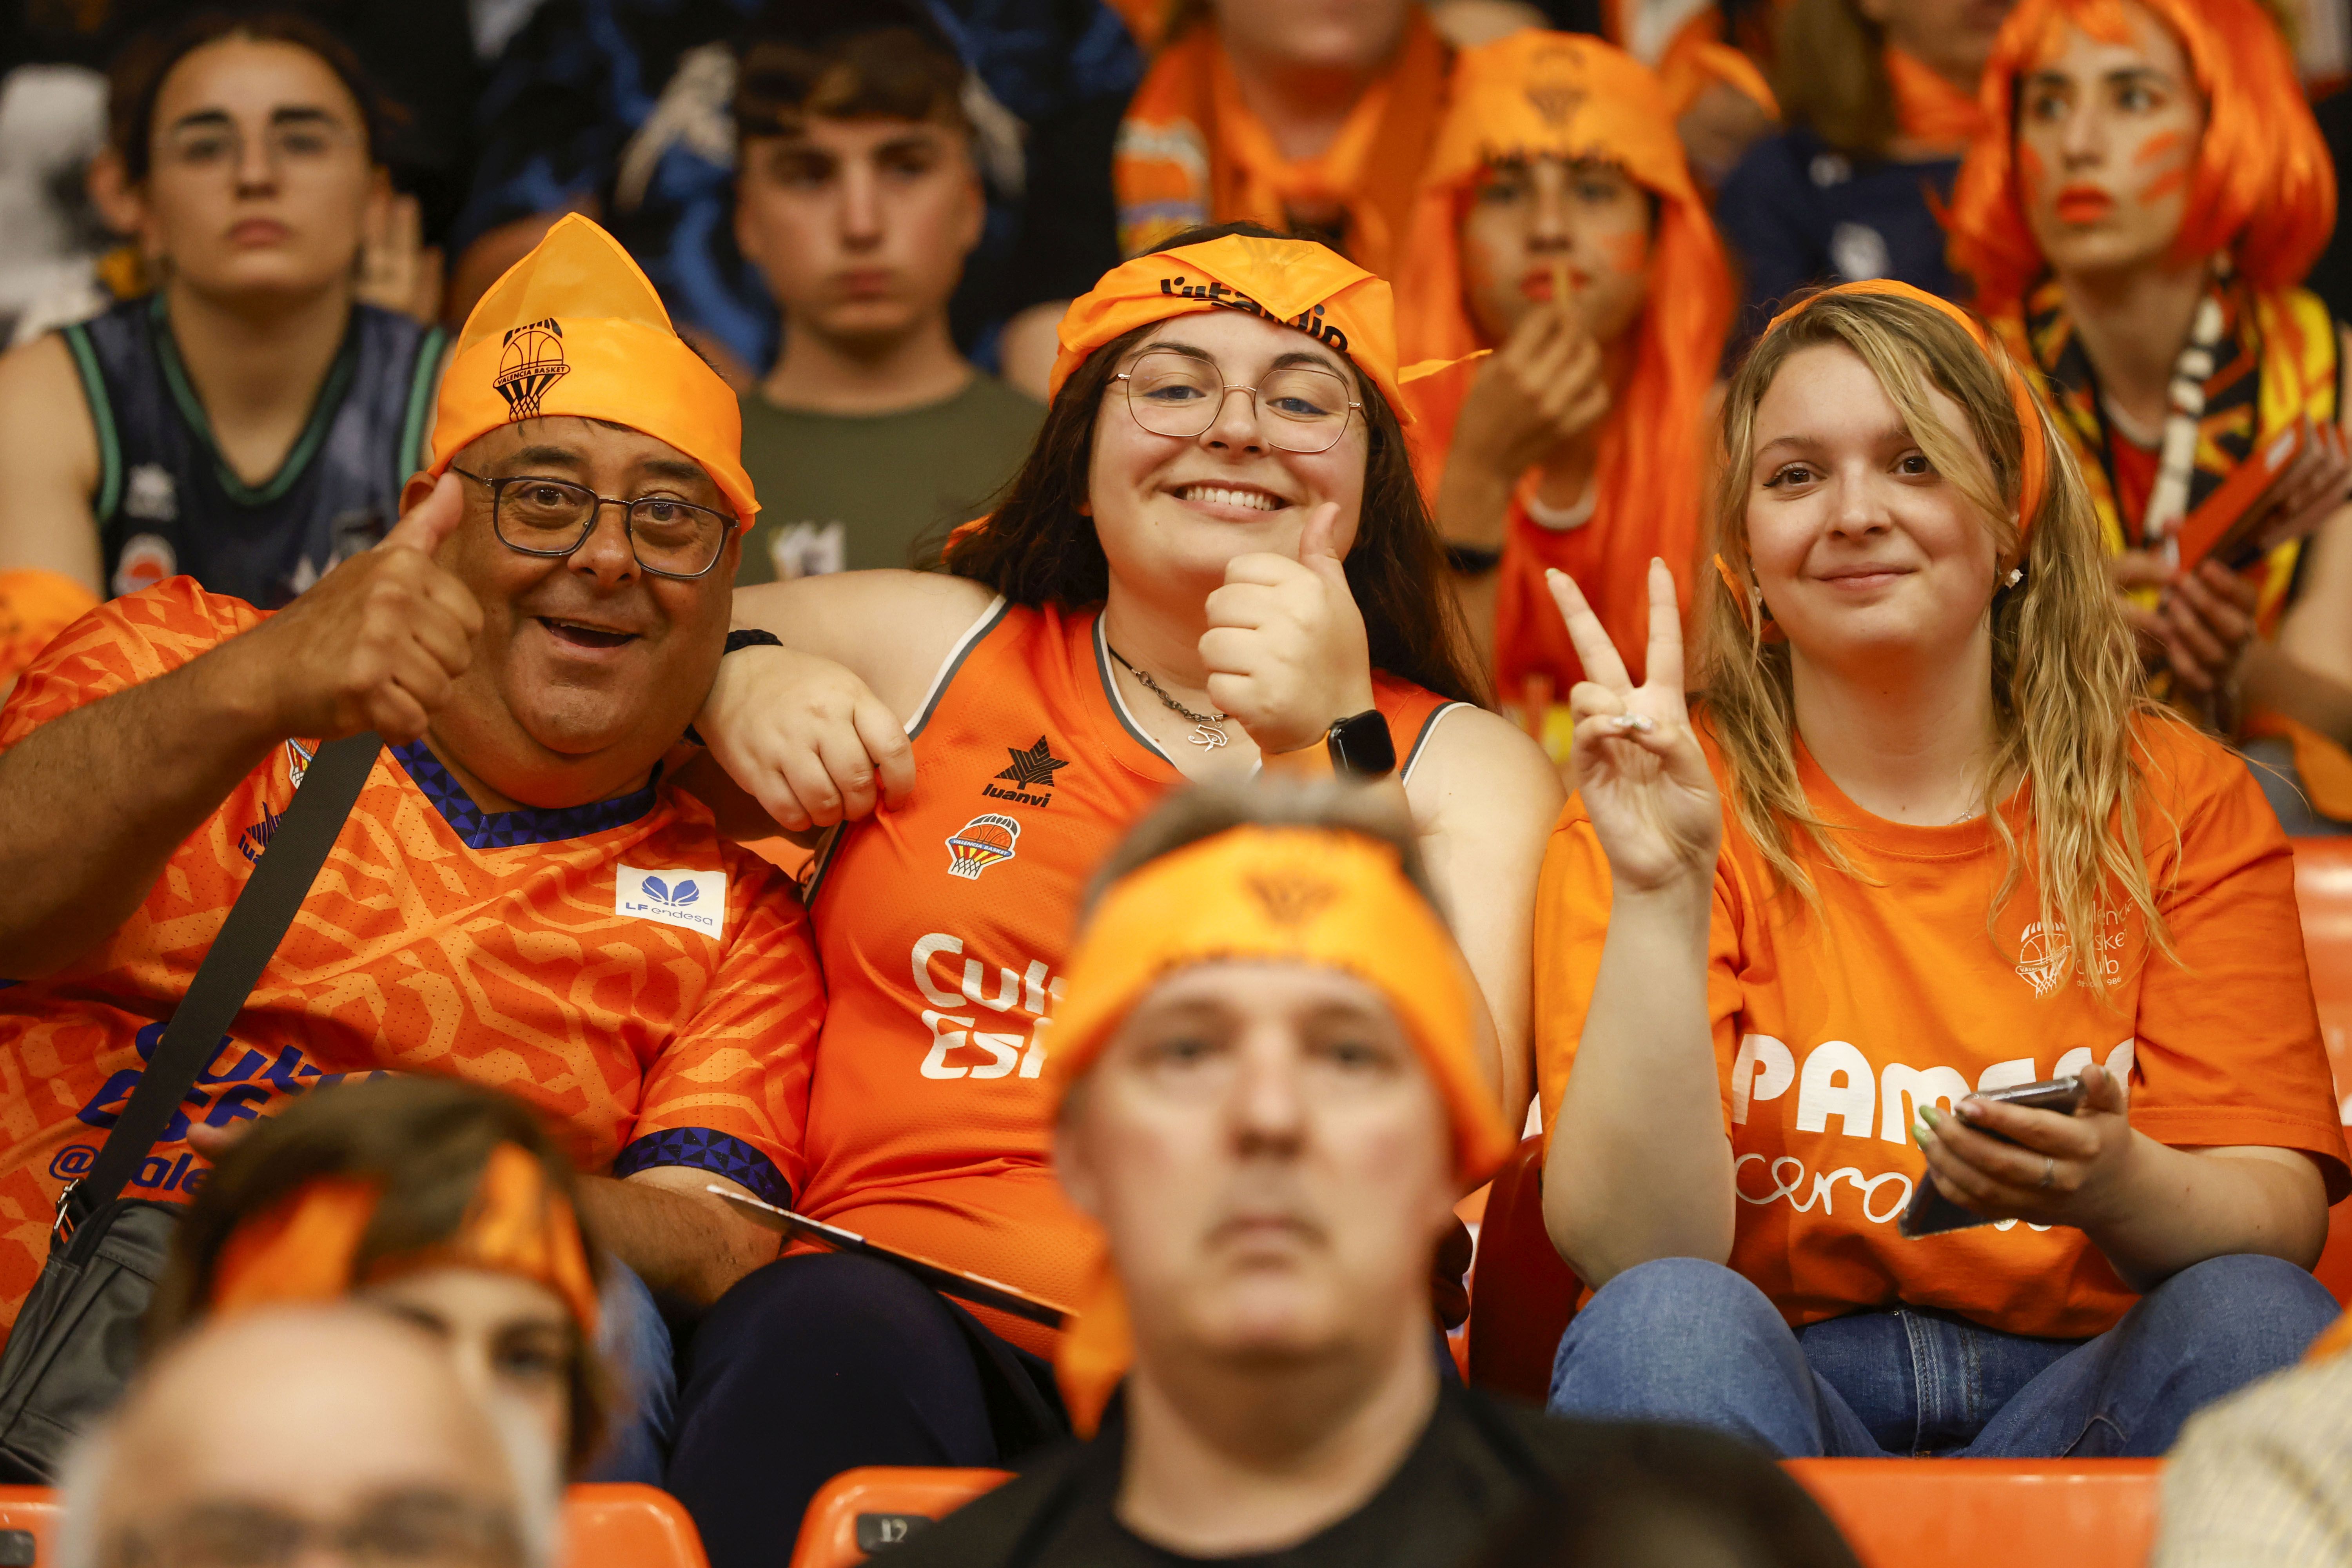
x=1032 y=769
x=691 y=901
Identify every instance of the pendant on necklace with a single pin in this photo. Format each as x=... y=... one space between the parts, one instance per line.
x=1208 y=737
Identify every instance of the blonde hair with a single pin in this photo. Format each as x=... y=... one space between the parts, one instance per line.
x=2067 y=691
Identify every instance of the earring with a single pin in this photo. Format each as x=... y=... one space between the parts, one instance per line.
x=1756 y=611
x=2016 y=575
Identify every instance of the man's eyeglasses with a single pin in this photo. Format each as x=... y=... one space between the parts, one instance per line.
x=402 y=1529
x=552 y=517
x=1300 y=409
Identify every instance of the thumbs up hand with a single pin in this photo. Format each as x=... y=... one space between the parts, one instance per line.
x=376 y=643
x=1285 y=647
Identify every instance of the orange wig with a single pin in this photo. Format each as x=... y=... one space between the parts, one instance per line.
x=1568 y=96
x=2264 y=188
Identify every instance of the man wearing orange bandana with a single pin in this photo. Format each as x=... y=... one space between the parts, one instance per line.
x=2140 y=246
x=519 y=897
x=1265 y=1097
x=1312 y=120
x=1557 y=225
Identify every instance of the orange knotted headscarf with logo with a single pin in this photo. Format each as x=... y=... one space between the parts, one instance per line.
x=1324 y=897
x=306 y=1247
x=1566 y=96
x=575 y=328
x=1294 y=283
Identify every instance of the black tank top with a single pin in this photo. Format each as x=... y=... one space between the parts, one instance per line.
x=166 y=501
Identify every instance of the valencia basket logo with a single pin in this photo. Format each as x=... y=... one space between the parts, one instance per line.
x=533 y=362
x=979 y=844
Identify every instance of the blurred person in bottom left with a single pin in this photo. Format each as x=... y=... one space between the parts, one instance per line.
x=444 y=1204
x=311 y=1435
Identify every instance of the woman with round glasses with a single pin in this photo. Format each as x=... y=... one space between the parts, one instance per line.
x=1216 y=560
x=250 y=421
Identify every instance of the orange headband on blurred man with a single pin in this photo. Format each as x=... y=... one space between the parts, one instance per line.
x=306 y=1247
x=1292 y=282
x=2033 y=437
x=2264 y=188
x=1302 y=895
x=575 y=328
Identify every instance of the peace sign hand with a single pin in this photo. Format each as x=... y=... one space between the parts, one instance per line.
x=1635 y=761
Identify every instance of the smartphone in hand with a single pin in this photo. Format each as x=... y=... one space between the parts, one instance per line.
x=1929 y=1212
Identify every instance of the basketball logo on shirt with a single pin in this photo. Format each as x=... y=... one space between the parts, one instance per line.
x=2042 y=955
x=531 y=362
x=979 y=844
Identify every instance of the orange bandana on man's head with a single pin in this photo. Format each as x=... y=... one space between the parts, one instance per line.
x=1324 y=897
x=305 y=1248
x=1292 y=282
x=575 y=328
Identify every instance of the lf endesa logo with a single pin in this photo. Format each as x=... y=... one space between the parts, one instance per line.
x=691 y=900
x=1837 y=1084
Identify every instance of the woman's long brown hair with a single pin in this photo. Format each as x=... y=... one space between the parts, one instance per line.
x=1040 y=548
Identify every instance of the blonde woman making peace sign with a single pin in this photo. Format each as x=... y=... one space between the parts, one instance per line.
x=1924 y=839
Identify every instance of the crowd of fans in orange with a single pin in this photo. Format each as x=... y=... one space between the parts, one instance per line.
x=993 y=692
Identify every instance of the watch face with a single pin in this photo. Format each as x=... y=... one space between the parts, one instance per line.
x=1361 y=746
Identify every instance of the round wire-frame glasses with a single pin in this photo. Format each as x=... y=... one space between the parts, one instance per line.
x=1301 y=408
x=529 y=523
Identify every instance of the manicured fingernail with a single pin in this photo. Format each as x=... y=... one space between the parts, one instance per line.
x=1930 y=1115
x=1920 y=1133
x=1554 y=574
x=1640 y=722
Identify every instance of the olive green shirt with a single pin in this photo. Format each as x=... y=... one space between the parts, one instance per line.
x=846 y=493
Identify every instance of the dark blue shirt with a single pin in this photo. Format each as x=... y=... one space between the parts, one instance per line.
x=1798 y=212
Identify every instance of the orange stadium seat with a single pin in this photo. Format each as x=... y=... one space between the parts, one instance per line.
x=2020 y=1513
x=1522 y=1294
x=607 y=1527
x=2323 y=888
x=862 y=1510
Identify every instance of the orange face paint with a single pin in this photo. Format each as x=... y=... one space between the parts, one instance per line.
x=2159 y=145
x=2032 y=169
x=1627 y=254
x=2170 y=184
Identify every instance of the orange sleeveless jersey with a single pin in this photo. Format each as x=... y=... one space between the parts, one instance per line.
x=942 y=925
x=650 y=988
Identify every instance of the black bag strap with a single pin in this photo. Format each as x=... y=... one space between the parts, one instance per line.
x=256 y=922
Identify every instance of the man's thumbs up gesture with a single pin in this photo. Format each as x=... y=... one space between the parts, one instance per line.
x=376 y=643
x=1286 y=645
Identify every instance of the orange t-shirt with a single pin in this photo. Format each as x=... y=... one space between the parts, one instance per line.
x=943 y=923
x=1831 y=1029
x=649 y=987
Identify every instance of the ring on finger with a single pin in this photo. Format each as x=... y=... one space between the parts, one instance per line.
x=2049 y=1171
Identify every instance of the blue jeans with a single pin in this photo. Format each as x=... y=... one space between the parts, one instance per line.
x=1682 y=1340
x=636 y=1343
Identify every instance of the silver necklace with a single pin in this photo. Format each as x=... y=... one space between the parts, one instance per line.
x=1206 y=731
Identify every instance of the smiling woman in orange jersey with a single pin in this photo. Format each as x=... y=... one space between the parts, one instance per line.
x=1181 y=584
x=1926 y=838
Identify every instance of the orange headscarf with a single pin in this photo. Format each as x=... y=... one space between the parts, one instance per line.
x=1190 y=152
x=1323 y=897
x=34 y=607
x=2033 y=429
x=305 y=1248
x=574 y=328
x=1293 y=282
x=1568 y=96
x=2264 y=188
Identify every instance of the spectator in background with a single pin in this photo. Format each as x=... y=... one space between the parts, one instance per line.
x=2264 y=1480
x=250 y=423
x=858 y=195
x=1879 y=97
x=1579 y=445
x=447 y=1206
x=1266 y=1098
x=323 y=1434
x=1309 y=120
x=619 y=109
x=523 y=896
x=2138 y=238
x=1927 y=837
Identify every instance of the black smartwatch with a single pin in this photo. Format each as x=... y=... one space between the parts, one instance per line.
x=740 y=638
x=1360 y=747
